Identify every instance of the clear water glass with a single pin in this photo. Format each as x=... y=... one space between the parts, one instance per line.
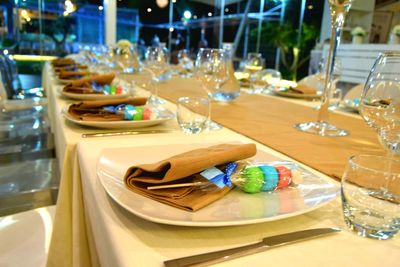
x=370 y=192
x=193 y=113
x=213 y=69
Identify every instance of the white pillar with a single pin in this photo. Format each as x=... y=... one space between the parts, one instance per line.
x=110 y=21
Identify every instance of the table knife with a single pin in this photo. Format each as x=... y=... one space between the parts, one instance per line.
x=105 y=134
x=232 y=253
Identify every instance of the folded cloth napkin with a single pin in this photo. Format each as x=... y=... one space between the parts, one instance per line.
x=72 y=75
x=73 y=67
x=186 y=168
x=93 y=110
x=84 y=86
x=58 y=62
x=304 y=89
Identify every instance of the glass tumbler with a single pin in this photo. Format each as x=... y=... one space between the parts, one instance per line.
x=193 y=114
x=370 y=191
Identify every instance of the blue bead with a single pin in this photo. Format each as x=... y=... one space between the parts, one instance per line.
x=129 y=112
x=271 y=177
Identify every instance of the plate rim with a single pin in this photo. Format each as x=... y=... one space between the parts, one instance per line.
x=125 y=124
x=296 y=95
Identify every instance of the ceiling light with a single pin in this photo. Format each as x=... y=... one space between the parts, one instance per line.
x=187 y=14
x=162 y=3
x=149 y=10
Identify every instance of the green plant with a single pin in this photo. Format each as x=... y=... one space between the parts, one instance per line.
x=293 y=54
x=58 y=30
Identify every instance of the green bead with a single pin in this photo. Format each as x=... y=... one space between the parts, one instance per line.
x=138 y=114
x=113 y=90
x=254 y=179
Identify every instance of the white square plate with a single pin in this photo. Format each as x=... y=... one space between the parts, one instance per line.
x=236 y=208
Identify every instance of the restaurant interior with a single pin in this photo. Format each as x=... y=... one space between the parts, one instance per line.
x=199 y=133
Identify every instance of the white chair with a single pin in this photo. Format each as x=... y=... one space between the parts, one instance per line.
x=28 y=185
x=25 y=237
x=8 y=105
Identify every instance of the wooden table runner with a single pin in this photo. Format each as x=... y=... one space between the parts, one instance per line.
x=269 y=120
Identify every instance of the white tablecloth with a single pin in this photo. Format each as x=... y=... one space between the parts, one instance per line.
x=90 y=229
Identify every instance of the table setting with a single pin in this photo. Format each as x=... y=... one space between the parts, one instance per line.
x=163 y=185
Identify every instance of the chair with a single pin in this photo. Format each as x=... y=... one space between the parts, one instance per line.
x=12 y=83
x=27 y=185
x=26 y=237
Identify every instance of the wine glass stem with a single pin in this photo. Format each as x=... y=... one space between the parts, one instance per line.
x=337 y=26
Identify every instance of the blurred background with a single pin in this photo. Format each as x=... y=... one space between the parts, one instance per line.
x=284 y=31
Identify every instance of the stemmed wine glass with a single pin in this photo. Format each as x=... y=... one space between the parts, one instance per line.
x=157 y=64
x=380 y=100
x=186 y=63
x=339 y=10
x=253 y=65
x=127 y=59
x=212 y=70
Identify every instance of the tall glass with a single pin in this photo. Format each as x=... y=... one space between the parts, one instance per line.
x=339 y=10
x=212 y=70
x=157 y=64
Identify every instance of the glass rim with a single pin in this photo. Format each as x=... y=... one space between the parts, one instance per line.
x=382 y=158
x=198 y=98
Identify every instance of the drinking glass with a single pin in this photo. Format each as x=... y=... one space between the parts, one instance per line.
x=339 y=10
x=186 y=63
x=212 y=67
x=193 y=114
x=380 y=100
x=336 y=94
x=157 y=64
x=127 y=59
x=253 y=66
x=371 y=196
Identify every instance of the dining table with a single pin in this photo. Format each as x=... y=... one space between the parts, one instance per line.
x=93 y=225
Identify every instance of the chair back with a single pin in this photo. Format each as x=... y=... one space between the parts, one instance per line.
x=357 y=60
x=8 y=68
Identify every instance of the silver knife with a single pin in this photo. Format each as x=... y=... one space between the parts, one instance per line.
x=105 y=134
x=232 y=253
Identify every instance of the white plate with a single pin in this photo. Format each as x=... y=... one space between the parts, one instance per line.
x=127 y=89
x=282 y=92
x=165 y=115
x=351 y=104
x=236 y=208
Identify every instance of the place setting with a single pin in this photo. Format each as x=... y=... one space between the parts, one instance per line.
x=97 y=87
x=230 y=184
x=127 y=113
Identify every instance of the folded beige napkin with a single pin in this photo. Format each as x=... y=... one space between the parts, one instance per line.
x=72 y=75
x=70 y=68
x=185 y=168
x=304 y=89
x=84 y=86
x=93 y=110
x=59 y=62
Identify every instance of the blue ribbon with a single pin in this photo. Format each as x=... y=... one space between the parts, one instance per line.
x=225 y=178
